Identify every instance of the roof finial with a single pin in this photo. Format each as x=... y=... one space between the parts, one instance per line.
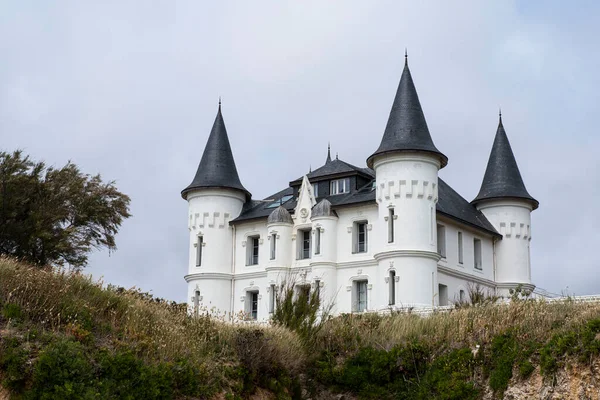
x=336 y=155
x=328 y=153
x=309 y=168
x=405 y=56
x=500 y=114
x=219 y=103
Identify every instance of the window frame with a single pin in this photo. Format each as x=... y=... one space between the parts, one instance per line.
x=336 y=184
x=301 y=240
x=273 y=249
x=441 y=244
x=315 y=188
x=477 y=254
x=317 y=241
x=391 y=232
x=392 y=288
x=358 y=284
x=252 y=245
x=199 y=243
x=460 y=248
x=356 y=233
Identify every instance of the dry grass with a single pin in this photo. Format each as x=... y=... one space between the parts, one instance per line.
x=528 y=320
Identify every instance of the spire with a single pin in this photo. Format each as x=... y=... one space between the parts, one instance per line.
x=502 y=178
x=217 y=166
x=328 y=153
x=406 y=128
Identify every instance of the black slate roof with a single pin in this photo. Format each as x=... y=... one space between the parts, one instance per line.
x=450 y=204
x=335 y=167
x=406 y=128
x=502 y=178
x=217 y=166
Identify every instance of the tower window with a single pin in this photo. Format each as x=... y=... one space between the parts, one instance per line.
x=392 y=285
x=360 y=289
x=360 y=237
x=391 y=226
x=273 y=245
x=340 y=186
x=460 y=247
x=303 y=244
x=252 y=250
x=441 y=240
x=199 y=244
x=477 y=253
x=318 y=241
x=272 y=299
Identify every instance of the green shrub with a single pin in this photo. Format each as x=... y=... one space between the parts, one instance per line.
x=13 y=364
x=63 y=371
x=450 y=377
x=12 y=311
x=526 y=368
x=504 y=352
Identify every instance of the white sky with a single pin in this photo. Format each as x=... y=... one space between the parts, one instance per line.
x=130 y=90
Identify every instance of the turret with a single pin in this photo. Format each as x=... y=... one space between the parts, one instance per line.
x=323 y=265
x=505 y=202
x=406 y=167
x=214 y=197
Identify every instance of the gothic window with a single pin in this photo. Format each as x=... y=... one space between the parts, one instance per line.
x=252 y=250
x=340 y=186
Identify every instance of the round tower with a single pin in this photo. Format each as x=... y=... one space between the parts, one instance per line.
x=279 y=231
x=505 y=202
x=214 y=197
x=406 y=168
x=324 y=228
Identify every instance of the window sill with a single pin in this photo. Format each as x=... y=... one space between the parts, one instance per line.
x=478 y=270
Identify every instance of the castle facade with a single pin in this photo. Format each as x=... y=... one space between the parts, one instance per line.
x=385 y=236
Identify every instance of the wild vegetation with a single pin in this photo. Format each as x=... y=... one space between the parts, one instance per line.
x=64 y=336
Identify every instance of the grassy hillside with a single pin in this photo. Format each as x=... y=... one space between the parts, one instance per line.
x=63 y=336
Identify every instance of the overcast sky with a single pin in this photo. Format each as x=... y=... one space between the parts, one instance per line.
x=130 y=89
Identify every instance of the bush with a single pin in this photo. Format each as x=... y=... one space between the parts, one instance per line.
x=63 y=371
x=12 y=311
x=504 y=351
x=13 y=363
x=450 y=377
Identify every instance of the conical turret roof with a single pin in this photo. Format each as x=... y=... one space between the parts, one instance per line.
x=406 y=128
x=217 y=166
x=502 y=178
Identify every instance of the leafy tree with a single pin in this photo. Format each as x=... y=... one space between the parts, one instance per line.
x=51 y=216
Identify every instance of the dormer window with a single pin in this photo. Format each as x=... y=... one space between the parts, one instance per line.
x=340 y=186
x=315 y=187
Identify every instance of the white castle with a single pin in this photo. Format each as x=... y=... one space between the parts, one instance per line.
x=387 y=236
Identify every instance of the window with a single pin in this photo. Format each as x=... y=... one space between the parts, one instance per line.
x=360 y=237
x=199 y=251
x=303 y=291
x=392 y=284
x=315 y=187
x=340 y=186
x=441 y=240
x=197 y=302
x=360 y=288
x=318 y=241
x=318 y=288
x=460 y=248
x=280 y=201
x=273 y=245
x=443 y=295
x=252 y=304
x=391 y=226
x=303 y=244
x=272 y=299
x=461 y=296
x=431 y=223
x=477 y=253
x=252 y=250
